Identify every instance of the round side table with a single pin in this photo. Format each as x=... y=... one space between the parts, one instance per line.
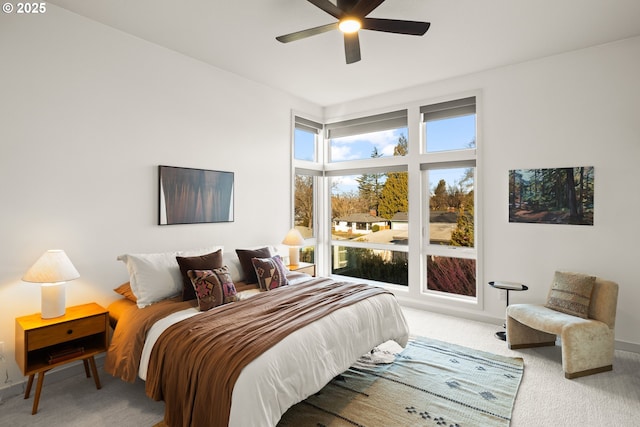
x=507 y=286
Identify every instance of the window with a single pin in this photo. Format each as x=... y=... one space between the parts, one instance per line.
x=369 y=202
x=450 y=125
x=367 y=137
x=352 y=195
x=449 y=170
x=305 y=139
x=307 y=171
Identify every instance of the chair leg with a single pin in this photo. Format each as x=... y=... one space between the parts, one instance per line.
x=573 y=375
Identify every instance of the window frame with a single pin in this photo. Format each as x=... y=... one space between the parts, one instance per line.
x=417 y=160
x=309 y=168
x=449 y=159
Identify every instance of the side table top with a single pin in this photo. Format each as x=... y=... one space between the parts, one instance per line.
x=510 y=286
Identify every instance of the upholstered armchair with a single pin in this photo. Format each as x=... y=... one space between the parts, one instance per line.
x=582 y=311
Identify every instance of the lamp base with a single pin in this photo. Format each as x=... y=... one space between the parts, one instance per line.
x=53 y=302
x=294 y=255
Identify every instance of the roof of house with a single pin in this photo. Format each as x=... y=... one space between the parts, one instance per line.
x=400 y=216
x=361 y=217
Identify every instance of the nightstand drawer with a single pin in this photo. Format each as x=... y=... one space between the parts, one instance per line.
x=63 y=332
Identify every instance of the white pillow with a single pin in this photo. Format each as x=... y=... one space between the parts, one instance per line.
x=233 y=264
x=156 y=276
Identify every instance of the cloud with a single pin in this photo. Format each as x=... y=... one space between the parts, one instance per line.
x=354 y=147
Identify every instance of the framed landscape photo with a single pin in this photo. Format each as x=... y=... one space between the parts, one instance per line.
x=192 y=196
x=552 y=196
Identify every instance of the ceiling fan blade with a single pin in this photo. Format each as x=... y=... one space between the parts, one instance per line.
x=365 y=7
x=352 y=47
x=307 y=33
x=414 y=28
x=328 y=7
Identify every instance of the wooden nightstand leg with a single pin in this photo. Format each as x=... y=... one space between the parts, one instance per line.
x=36 y=399
x=27 y=392
x=92 y=362
x=86 y=368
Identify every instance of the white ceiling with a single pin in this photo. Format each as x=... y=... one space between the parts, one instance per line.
x=466 y=36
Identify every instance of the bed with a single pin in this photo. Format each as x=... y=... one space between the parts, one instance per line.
x=246 y=362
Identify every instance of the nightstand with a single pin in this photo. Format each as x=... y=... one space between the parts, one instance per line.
x=303 y=267
x=44 y=344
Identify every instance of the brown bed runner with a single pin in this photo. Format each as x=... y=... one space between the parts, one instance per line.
x=195 y=363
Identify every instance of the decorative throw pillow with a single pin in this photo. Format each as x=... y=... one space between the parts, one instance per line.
x=125 y=291
x=207 y=287
x=220 y=276
x=245 y=256
x=570 y=293
x=199 y=262
x=271 y=272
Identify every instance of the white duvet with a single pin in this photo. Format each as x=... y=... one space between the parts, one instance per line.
x=305 y=361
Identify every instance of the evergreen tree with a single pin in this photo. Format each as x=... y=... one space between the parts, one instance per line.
x=462 y=235
x=370 y=185
x=394 y=198
x=439 y=200
x=395 y=194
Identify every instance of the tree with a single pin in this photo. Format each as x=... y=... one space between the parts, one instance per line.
x=402 y=148
x=462 y=235
x=439 y=200
x=303 y=200
x=370 y=185
x=345 y=204
x=394 y=196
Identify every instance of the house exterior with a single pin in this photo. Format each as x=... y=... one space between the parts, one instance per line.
x=360 y=223
x=400 y=221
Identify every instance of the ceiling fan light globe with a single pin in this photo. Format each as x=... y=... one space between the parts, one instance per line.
x=349 y=25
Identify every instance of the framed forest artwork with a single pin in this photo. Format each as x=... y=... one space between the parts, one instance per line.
x=191 y=196
x=552 y=196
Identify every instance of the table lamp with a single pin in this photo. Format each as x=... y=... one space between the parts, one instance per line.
x=52 y=270
x=294 y=240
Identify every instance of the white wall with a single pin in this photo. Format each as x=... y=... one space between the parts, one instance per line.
x=87 y=113
x=576 y=109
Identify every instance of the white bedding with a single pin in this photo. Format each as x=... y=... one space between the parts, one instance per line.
x=305 y=361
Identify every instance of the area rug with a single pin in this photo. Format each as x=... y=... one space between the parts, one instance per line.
x=429 y=383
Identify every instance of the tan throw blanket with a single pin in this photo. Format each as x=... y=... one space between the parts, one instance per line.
x=195 y=363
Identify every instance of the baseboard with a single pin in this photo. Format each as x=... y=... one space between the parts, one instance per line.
x=460 y=314
x=57 y=374
x=627 y=346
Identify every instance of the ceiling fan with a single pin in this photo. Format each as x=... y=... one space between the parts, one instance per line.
x=352 y=16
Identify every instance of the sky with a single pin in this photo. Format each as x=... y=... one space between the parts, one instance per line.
x=448 y=134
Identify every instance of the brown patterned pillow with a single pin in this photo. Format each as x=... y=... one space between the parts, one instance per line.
x=200 y=262
x=271 y=272
x=245 y=256
x=570 y=293
x=207 y=287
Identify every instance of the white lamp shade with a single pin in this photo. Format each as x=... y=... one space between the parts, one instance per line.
x=293 y=238
x=52 y=269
